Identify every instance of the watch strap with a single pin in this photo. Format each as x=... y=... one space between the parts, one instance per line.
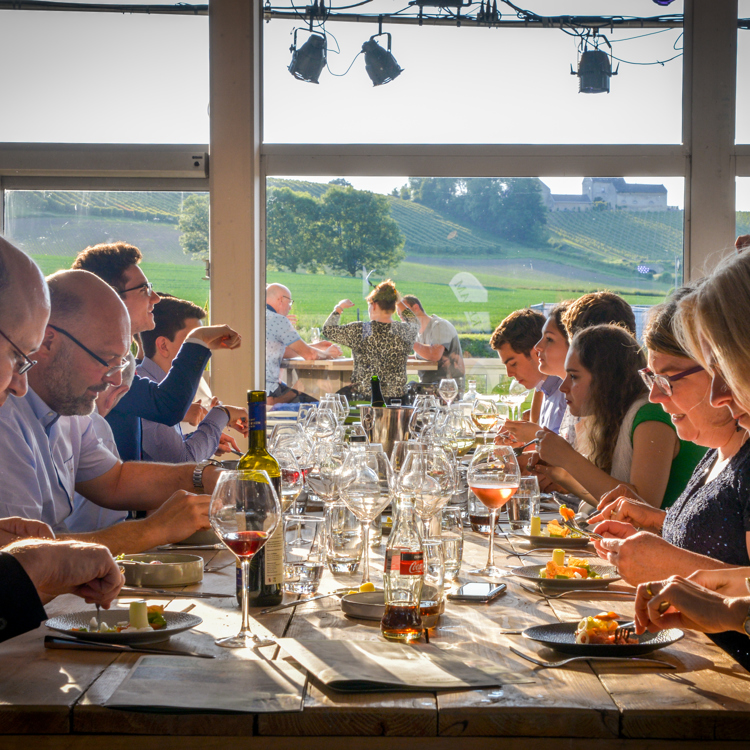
x=199 y=469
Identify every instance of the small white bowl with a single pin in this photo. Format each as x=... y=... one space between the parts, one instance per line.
x=162 y=569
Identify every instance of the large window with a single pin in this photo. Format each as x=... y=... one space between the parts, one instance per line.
x=54 y=226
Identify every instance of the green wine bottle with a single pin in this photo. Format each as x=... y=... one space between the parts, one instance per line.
x=377 y=394
x=264 y=584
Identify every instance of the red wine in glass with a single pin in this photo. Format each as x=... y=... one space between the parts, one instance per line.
x=245 y=543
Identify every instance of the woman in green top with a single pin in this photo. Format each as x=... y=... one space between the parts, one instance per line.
x=621 y=438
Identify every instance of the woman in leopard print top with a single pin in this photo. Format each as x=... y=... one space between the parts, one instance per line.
x=380 y=346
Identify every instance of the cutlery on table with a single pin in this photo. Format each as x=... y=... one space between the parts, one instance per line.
x=563 y=662
x=219 y=567
x=297 y=603
x=53 y=641
x=605 y=592
x=133 y=591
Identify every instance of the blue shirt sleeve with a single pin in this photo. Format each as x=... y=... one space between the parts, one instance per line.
x=169 y=445
x=167 y=402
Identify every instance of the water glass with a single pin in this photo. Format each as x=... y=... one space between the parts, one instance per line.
x=303 y=554
x=343 y=535
x=432 y=602
x=524 y=504
x=479 y=515
x=452 y=537
x=315 y=335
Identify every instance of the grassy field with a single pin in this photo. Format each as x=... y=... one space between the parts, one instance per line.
x=316 y=294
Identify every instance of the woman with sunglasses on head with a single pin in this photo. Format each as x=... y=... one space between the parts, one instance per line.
x=621 y=437
x=708 y=526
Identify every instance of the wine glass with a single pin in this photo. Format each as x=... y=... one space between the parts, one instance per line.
x=493 y=477
x=322 y=423
x=366 y=480
x=484 y=413
x=326 y=461
x=292 y=479
x=448 y=390
x=427 y=477
x=517 y=394
x=244 y=512
x=401 y=448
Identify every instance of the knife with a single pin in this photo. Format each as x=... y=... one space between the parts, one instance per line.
x=131 y=591
x=297 y=603
x=52 y=641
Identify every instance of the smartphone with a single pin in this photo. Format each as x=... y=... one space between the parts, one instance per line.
x=478 y=591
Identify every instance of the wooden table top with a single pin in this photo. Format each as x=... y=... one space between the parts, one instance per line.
x=55 y=699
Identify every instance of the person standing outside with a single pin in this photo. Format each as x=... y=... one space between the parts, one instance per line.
x=282 y=340
x=437 y=342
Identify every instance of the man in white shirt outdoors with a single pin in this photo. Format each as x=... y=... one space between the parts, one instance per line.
x=282 y=341
x=49 y=448
x=437 y=342
x=174 y=318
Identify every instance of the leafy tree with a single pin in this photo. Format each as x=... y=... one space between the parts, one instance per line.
x=359 y=231
x=340 y=181
x=193 y=226
x=293 y=231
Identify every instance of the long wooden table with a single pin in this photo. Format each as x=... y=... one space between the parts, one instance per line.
x=54 y=699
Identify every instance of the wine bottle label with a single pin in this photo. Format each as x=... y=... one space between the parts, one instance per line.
x=256 y=418
x=274 y=572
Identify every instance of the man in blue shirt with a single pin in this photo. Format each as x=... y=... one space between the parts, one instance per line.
x=282 y=340
x=166 y=402
x=49 y=448
x=174 y=319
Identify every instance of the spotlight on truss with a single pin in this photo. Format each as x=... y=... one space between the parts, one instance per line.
x=594 y=70
x=380 y=64
x=309 y=60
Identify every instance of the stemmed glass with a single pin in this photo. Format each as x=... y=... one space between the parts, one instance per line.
x=448 y=390
x=423 y=416
x=322 y=423
x=484 y=413
x=427 y=477
x=517 y=394
x=325 y=467
x=366 y=480
x=244 y=512
x=292 y=479
x=493 y=477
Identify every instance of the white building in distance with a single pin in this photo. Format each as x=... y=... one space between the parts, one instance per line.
x=614 y=191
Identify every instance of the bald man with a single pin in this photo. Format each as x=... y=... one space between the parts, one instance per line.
x=34 y=571
x=49 y=448
x=282 y=340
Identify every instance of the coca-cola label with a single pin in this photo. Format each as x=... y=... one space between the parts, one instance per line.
x=403 y=562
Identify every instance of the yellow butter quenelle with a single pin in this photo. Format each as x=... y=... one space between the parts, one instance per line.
x=536 y=526
x=558 y=557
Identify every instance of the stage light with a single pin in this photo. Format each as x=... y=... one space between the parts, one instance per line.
x=309 y=60
x=594 y=71
x=380 y=64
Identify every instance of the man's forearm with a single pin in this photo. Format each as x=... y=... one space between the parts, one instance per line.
x=127 y=537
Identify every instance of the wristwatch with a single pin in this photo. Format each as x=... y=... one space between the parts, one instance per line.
x=198 y=472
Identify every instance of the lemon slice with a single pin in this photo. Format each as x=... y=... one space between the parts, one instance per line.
x=366 y=587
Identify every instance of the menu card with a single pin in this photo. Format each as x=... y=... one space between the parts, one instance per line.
x=188 y=685
x=361 y=666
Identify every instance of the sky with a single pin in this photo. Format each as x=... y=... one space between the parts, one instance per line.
x=85 y=77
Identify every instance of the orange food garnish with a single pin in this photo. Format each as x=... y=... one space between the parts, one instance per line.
x=566 y=513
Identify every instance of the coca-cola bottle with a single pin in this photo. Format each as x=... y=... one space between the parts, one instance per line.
x=402 y=579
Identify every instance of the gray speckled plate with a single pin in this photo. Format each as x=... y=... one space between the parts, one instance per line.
x=561 y=637
x=177 y=622
x=364 y=605
x=553 y=542
x=533 y=573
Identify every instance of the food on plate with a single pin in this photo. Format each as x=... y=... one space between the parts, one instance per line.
x=601 y=629
x=577 y=567
x=536 y=526
x=141 y=617
x=364 y=588
x=555 y=528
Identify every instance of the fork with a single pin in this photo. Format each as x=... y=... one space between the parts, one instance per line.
x=624 y=631
x=575 y=527
x=607 y=592
x=563 y=662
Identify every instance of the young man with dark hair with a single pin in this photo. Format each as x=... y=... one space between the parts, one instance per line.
x=437 y=342
x=166 y=402
x=595 y=309
x=174 y=318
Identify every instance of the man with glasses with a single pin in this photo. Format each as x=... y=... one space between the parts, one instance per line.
x=168 y=401
x=34 y=568
x=282 y=340
x=49 y=448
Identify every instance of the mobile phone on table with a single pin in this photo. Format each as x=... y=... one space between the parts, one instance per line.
x=478 y=591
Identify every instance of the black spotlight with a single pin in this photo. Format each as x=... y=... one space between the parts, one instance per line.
x=309 y=60
x=380 y=64
x=594 y=72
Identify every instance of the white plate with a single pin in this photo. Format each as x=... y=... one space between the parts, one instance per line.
x=177 y=622
x=171 y=569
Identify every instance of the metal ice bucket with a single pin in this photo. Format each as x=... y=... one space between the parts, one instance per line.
x=386 y=424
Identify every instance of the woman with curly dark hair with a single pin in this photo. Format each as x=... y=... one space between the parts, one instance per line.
x=380 y=346
x=621 y=436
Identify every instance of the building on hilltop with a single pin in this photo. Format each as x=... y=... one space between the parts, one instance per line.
x=614 y=191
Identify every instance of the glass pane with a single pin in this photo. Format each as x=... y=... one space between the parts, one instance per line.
x=54 y=226
x=472 y=250
x=476 y=85
x=104 y=78
x=742 y=133
x=743 y=205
